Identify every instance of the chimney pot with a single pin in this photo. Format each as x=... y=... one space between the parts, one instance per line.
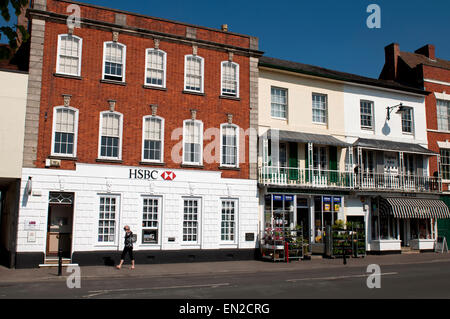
x=225 y=27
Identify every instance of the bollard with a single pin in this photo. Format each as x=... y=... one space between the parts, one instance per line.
x=60 y=252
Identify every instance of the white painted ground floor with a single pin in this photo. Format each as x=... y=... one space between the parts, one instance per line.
x=176 y=215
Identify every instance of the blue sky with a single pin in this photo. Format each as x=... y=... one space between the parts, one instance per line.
x=327 y=33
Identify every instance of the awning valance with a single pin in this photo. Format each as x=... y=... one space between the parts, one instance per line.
x=414 y=208
x=390 y=146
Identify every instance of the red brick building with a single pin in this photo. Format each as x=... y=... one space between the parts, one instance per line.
x=133 y=114
x=423 y=69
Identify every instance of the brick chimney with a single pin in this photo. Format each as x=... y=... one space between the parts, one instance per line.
x=392 y=52
x=428 y=51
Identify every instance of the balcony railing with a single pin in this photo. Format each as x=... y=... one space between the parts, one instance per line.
x=283 y=176
x=403 y=182
x=314 y=178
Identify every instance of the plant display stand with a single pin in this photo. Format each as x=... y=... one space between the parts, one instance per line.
x=352 y=241
x=274 y=250
x=294 y=243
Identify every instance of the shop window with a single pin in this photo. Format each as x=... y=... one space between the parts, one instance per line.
x=107 y=219
x=114 y=61
x=153 y=139
x=69 y=55
x=191 y=216
x=421 y=229
x=230 y=79
x=228 y=224
x=150 y=220
x=155 y=72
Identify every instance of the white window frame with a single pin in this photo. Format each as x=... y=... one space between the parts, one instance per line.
x=124 y=59
x=80 y=51
x=159 y=219
x=237 y=79
x=120 y=136
x=236 y=222
x=326 y=108
x=201 y=143
x=199 y=221
x=447 y=102
x=237 y=145
x=202 y=65
x=147 y=51
x=116 y=220
x=287 y=103
x=412 y=121
x=75 y=137
x=372 y=105
x=162 y=139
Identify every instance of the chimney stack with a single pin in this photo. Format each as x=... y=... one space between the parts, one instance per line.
x=428 y=51
x=392 y=52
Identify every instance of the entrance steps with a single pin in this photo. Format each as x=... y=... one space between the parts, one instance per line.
x=409 y=251
x=53 y=262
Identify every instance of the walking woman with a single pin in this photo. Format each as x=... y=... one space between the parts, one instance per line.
x=128 y=247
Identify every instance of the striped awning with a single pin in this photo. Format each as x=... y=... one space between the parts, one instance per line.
x=414 y=208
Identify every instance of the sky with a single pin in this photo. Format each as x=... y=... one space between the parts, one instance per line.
x=327 y=33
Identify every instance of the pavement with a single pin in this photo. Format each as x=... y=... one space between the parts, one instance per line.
x=215 y=268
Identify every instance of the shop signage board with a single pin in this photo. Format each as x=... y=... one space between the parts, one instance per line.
x=327 y=204
x=31 y=225
x=337 y=203
x=441 y=245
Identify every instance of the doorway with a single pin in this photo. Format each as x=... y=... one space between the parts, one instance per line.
x=303 y=217
x=403 y=232
x=60 y=224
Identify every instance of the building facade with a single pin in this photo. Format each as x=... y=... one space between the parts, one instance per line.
x=13 y=94
x=423 y=69
x=329 y=151
x=142 y=122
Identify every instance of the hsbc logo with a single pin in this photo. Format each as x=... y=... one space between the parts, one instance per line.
x=168 y=176
x=145 y=174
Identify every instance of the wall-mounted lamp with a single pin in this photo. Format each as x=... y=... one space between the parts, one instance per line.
x=389 y=109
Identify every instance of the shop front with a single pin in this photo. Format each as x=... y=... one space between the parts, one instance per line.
x=399 y=223
x=310 y=213
x=177 y=215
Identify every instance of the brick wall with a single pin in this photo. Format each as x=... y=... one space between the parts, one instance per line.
x=90 y=96
x=442 y=75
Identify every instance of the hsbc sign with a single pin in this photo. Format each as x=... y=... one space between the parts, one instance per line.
x=145 y=174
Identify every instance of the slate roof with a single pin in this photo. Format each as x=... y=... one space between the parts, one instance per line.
x=335 y=75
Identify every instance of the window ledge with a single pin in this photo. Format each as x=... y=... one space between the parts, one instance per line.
x=152 y=163
x=67 y=76
x=226 y=97
x=225 y=168
x=63 y=158
x=114 y=82
x=192 y=166
x=103 y=160
x=151 y=87
x=193 y=93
